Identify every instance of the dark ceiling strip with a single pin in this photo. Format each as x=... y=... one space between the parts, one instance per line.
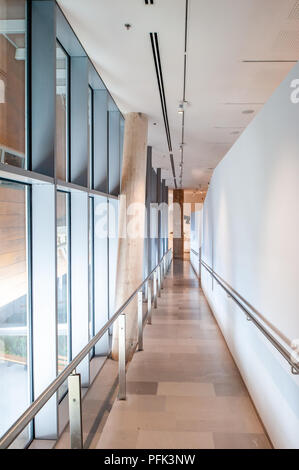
x=159 y=74
x=162 y=86
x=173 y=169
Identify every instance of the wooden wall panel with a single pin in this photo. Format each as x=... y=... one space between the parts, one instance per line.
x=13 y=266
x=12 y=111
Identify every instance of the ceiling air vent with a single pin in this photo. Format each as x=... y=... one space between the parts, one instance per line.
x=149 y=2
x=294 y=15
x=159 y=74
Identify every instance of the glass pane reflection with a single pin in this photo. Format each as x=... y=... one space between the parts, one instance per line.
x=61 y=113
x=12 y=82
x=14 y=324
x=63 y=256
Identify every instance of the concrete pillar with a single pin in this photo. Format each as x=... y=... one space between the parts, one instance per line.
x=178 y=223
x=131 y=225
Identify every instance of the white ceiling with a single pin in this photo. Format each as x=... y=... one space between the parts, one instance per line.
x=221 y=35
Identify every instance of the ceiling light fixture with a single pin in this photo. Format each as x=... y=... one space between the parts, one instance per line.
x=248 y=111
x=182 y=106
x=184 y=102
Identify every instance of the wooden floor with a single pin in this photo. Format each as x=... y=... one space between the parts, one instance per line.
x=184 y=390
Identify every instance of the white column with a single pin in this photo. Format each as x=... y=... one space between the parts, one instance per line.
x=131 y=246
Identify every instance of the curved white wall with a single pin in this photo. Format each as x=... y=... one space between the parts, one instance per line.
x=251 y=239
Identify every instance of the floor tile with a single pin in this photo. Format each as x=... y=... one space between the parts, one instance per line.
x=174 y=440
x=241 y=441
x=142 y=388
x=186 y=389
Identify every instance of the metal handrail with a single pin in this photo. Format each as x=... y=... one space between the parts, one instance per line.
x=13 y=432
x=250 y=316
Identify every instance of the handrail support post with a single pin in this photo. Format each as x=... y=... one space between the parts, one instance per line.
x=122 y=357
x=149 y=303
x=140 y=321
x=75 y=411
x=159 y=280
x=155 y=290
x=162 y=273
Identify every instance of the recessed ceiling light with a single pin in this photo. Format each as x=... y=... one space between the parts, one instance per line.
x=269 y=61
x=229 y=127
x=248 y=111
x=244 y=104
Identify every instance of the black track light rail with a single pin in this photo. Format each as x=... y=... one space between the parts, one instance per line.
x=159 y=74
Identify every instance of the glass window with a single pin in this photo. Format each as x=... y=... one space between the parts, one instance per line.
x=14 y=311
x=63 y=281
x=12 y=82
x=90 y=134
x=62 y=61
x=91 y=270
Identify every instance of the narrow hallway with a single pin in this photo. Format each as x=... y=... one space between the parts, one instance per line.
x=184 y=390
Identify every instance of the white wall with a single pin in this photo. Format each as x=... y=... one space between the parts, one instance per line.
x=251 y=239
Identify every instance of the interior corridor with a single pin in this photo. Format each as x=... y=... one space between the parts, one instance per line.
x=184 y=390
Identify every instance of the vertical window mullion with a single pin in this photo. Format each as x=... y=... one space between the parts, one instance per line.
x=29 y=299
x=69 y=303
